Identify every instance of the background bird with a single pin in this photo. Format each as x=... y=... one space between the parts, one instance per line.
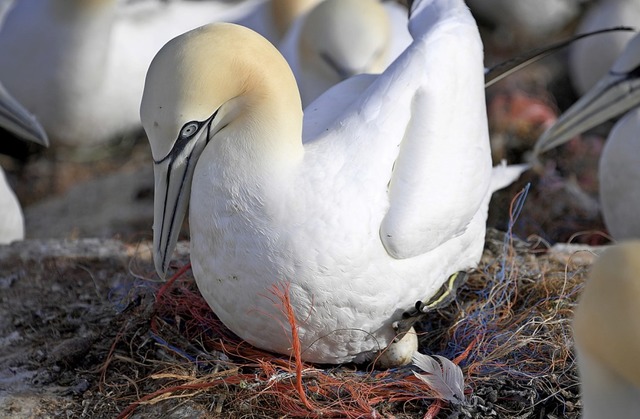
x=606 y=329
x=340 y=38
x=79 y=65
x=619 y=169
x=526 y=21
x=590 y=59
x=17 y=120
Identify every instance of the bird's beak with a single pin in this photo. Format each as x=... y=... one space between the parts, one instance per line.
x=16 y=119
x=173 y=176
x=615 y=94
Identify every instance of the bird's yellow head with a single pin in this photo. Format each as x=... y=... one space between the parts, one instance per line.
x=202 y=85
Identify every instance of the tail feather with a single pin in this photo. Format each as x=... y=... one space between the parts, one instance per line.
x=504 y=175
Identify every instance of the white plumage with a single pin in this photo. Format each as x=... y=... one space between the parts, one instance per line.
x=11 y=217
x=16 y=119
x=529 y=18
x=79 y=65
x=340 y=38
x=364 y=206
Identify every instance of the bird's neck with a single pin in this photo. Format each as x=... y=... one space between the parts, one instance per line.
x=266 y=136
x=264 y=123
x=80 y=26
x=70 y=37
x=83 y=37
x=253 y=161
x=62 y=43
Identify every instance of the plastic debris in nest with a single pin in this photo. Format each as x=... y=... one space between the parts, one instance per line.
x=509 y=327
x=223 y=367
x=516 y=310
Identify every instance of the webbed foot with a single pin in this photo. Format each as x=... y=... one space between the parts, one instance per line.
x=445 y=295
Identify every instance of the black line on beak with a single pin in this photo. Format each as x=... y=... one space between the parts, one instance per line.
x=178 y=148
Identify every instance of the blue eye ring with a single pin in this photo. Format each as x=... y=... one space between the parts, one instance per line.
x=189 y=129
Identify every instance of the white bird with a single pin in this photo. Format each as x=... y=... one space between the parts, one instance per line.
x=16 y=119
x=532 y=19
x=619 y=167
x=5 y=5
x=590 y=59
x=606 y=329
x=363 y=206
x=273 y=18
x=11 y=217
x=79 y=65
x=285 y=12
x=340 y=38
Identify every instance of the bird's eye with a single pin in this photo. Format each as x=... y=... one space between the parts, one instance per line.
x=189 y=129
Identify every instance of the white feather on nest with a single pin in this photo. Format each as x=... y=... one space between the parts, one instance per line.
x=442 y=375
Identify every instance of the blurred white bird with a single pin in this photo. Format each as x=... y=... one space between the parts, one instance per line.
x=16 y=119
x=606 y=329
x=5 y=5
x=273 y=18
x=340 y=38
x=79 y=65
x=363 y=206
x=531 y=19
x=590 y=59
x=11 y=217
x=619 y=170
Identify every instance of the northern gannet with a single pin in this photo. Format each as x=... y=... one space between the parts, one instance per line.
x=606 y=329
x=340 y=38
x=79 y=65
x=590 y=59
x=619 y=168
x=533 y=19
x=11 y=217
x=273 y=18
x=5 y=5
x=16 y=119
x=285 y=12
x=361 y=207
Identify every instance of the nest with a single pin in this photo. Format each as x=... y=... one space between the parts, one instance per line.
x=509 y=330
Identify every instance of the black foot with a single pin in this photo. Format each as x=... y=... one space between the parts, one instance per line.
x=445 y=295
